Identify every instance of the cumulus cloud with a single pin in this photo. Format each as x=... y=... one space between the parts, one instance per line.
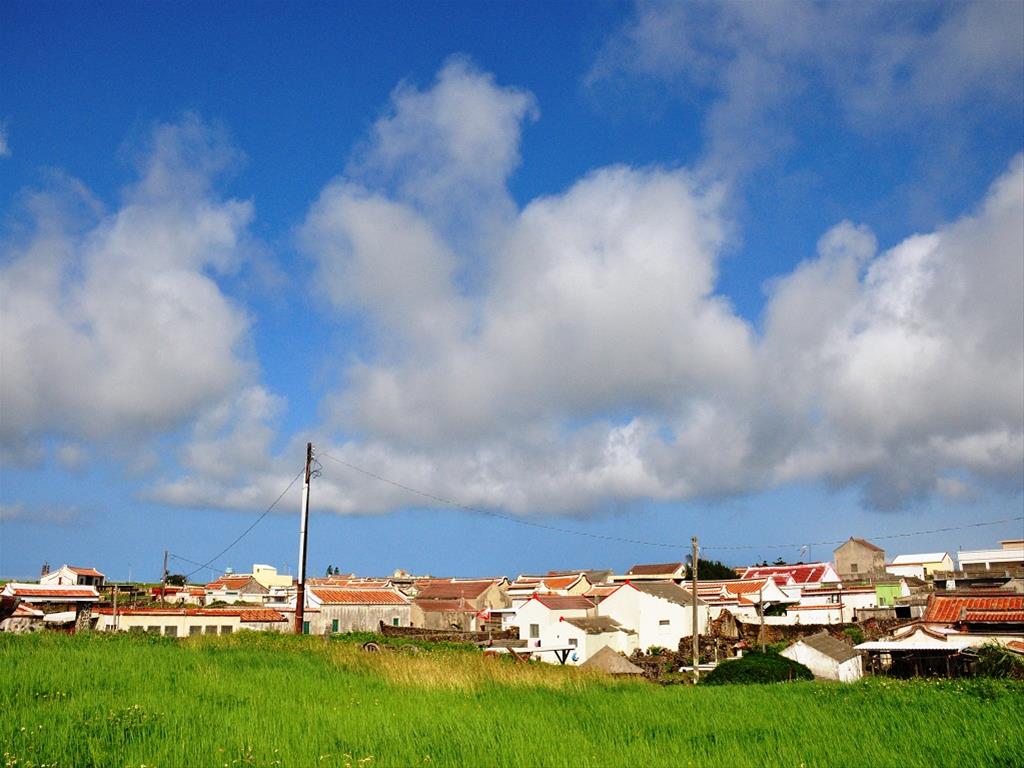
x=112 y=323
x=888 y=66
x=594 y=365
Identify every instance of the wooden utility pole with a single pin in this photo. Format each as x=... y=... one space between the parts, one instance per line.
x=696 y=631
x=300 y=593
x=760 y=606
x=163 y=581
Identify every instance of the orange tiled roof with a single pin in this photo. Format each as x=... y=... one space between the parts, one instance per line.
x=947 y=609
x=335 y=596
x=85 y=571
x=260 y=615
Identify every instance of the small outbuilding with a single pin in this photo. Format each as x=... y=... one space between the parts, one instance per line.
x=827 y=658
x=608 y=661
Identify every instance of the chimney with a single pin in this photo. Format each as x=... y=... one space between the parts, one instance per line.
x=45 y=570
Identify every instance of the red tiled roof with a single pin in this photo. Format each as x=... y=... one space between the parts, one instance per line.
x=946 y=609
x=453 y=590
x=563 y=602
x=261 y=615
x=1016 y=645
x=654 y=569
x=601 y=591
x=335 y=596
x=85 y=571
x=802 y=574
x=230 y=582
x=993 y=617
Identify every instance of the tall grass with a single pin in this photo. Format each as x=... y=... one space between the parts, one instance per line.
x=264 y=700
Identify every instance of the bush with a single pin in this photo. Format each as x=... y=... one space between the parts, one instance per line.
x=758 y=668
x=994 y=660
x=854 y=634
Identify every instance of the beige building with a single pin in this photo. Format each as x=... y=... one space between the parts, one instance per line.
x=188 y=622
x=859 y=558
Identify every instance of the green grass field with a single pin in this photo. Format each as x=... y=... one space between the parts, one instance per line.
x=300 y=701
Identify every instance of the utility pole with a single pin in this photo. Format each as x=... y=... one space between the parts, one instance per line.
x=115 y=608
x=760 y=607
x=163 y=582
x=696 y=631
x=300 y=593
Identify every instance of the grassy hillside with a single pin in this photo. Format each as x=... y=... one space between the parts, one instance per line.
x=261 y=700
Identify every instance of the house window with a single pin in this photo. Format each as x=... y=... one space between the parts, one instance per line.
x=853 y=567
x=305 y=627
x=226 y=630
x=663 y=623
x=573 y=642
x=153 y=630
x=194 y=631
x=334 y=625
x=534 y=631
x=135 y=630
x=394 y=622
x=211 y=630
x=170 y=631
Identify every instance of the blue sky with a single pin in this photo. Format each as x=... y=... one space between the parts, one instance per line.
x=750 y=272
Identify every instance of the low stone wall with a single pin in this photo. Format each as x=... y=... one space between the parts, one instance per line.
x=448 y=635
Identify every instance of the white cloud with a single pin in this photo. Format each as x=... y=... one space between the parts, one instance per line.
x=113 y=323
x=888 y=66
x=593 y=365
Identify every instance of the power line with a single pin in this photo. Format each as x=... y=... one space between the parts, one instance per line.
x=641 y=542
x=243 y=534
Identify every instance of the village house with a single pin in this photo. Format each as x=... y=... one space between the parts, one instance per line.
x=858 y=558
x=827 y=658
x=66 y=605
x=849 y=600
x=741 y=597
x=188 y=622
x=23 y=619
x=675 y=572
x=71 y=575
x=1008 y=559
x=795 y=578
x=939 y=643
x=524 y=587
x=459 y=604
x=661 y=613
x=540 y=619
x=356 y=610
x=233 y=589
x=920 y=566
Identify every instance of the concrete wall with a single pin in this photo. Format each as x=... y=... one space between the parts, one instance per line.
x=824 y=666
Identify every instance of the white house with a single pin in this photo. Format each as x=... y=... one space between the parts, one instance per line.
x=540 y=619
x=804 y=575
x=70 y=575
x=920 y=566
x=53 y=593
x=849 y=599
x=660 y=612
x=1009 y=555
x=827 y=658
x=822 y=613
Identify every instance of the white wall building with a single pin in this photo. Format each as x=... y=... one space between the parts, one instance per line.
x=660 y=612
x=827 y=658
x=70 y=575
x=920 y=566
x=540 y=623
x=1009 y=555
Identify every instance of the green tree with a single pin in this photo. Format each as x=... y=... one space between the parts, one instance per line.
x=711 y=570
x=176 y=580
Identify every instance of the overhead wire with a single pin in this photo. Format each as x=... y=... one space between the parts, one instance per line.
x=242 y=535
x=641 y=542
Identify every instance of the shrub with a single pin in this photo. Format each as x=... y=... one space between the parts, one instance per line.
x=994 y=660
x=854 y=634
x=758 y=668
